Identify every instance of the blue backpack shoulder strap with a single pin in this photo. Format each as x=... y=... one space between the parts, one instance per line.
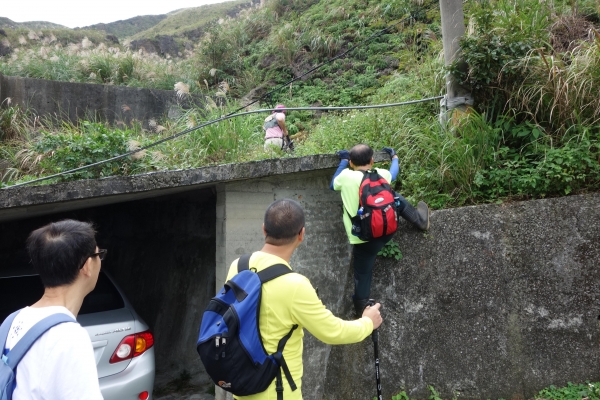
x=15 y=355
x=5 y=328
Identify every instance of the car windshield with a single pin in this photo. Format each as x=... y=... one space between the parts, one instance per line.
x=21 y=291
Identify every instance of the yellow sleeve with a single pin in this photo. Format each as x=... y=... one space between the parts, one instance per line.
x=232 y=270
x=309 y=312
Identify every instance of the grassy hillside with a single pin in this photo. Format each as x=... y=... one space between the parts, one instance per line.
x=532 y=67
x=191 y=22
x=128 y=27
x=7 y=23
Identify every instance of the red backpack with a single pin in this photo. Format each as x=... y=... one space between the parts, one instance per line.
x=376 y=214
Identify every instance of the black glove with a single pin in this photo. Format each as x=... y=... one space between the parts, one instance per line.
x=343 y=154
x=390 y=151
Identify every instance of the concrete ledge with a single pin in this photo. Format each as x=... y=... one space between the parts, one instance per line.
x=27 y=201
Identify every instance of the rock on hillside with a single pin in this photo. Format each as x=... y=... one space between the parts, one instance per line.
x=162 y=45
x=5 y=48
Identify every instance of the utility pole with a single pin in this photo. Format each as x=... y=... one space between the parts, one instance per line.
x=453 y=29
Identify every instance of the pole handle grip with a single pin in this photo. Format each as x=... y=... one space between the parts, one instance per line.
x=375 y=335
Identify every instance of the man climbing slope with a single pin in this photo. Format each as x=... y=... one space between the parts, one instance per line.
x=348 y=182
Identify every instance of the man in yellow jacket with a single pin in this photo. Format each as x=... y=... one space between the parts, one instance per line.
x=292 y=300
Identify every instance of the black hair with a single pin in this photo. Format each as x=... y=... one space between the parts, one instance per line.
x=284 y=220
x=59 y=250
x=361 y=155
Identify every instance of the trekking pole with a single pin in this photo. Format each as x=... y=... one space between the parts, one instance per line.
x=375 y=337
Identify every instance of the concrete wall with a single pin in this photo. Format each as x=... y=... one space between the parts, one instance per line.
x=323 y=258
x=74 y=101
x=496 y=301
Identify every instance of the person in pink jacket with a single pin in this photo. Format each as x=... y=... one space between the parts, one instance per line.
x=276 y=133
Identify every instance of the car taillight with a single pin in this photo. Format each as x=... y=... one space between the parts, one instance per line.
x=143 y=396
x=132 y=346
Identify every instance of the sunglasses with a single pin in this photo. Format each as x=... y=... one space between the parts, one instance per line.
x=101 y=253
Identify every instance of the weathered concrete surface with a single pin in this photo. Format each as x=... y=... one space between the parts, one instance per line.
x=323 y=258
x=75 y=101
x=496 y=301
x=26 y=201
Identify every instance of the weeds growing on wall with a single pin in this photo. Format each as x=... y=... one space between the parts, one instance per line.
x=588 y=390
x=391 y=250
x=539 y=166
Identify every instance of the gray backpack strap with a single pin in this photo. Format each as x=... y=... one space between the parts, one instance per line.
x=244 y=263
x=270 y=122
x=274 y=271
x=15 y=355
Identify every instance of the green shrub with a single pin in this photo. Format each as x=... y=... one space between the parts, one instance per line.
x=559 y=91
x=539 y=171
x=96 y=142
x=590 y=391
x=503 y=32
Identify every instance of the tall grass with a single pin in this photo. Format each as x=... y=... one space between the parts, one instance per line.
x=233 y=140
x=14 y=121
x=560 y=90
x=92 y=61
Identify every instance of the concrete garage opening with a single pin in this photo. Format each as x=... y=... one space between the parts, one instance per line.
x=172 y=235
x=161 y=252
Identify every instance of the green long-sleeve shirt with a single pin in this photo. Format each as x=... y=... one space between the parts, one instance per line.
x=348 y=182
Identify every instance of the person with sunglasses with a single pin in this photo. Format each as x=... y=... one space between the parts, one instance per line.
x=60 y=364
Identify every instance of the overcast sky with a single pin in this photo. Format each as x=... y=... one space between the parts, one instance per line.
x=78 y=13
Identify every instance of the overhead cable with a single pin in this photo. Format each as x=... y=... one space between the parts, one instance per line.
x=223 y=118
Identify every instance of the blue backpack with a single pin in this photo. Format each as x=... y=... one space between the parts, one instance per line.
x=11 y=359
x=229 y=343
